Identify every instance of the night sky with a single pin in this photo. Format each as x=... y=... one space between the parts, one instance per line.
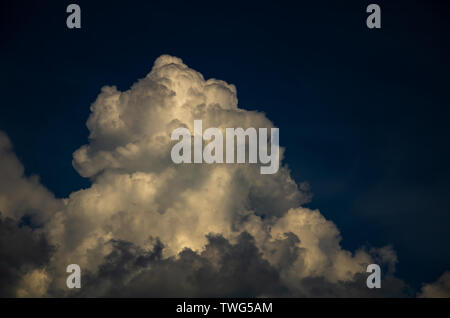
x=363 y=113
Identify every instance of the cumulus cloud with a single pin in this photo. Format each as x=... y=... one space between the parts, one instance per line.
x=149 y=227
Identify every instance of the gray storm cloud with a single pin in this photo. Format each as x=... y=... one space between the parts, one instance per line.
x=149 y=227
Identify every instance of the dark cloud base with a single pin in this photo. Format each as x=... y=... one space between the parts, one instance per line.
x=223 y=269
x=22 y=249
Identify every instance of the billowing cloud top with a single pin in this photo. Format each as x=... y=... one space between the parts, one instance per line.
x=149 y=227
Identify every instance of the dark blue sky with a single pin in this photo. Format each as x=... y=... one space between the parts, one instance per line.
x=363 y=113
